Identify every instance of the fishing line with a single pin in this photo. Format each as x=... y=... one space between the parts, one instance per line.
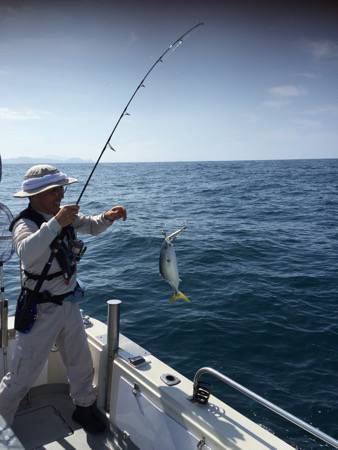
x=172 y=47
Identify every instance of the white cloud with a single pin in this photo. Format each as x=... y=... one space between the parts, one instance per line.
x=275 y=103
x=132 y=39
x=322 y=49
x=307 y=123
x=308 y=75
x=250 y=117
x=286 y=90
x=280 y=96
x=323 y=109
x=25 y=114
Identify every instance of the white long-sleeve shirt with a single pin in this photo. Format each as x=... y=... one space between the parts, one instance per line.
x=32 y=244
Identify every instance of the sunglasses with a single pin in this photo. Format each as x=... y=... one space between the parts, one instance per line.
x=57 y=190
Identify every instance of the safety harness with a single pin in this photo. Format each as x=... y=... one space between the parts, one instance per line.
x=67 y=250
x=61 y=249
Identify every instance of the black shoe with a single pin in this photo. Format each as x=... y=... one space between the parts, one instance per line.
x=89 y=418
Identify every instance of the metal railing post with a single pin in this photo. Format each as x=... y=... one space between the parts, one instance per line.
x=4 y=332
x=112 y=344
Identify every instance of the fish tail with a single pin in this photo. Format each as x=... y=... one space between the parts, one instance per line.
x=177 y=296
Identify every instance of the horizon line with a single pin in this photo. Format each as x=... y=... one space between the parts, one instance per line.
x=4 y=160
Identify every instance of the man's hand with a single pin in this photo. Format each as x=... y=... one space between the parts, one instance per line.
x=117 y=212
x=67 y=214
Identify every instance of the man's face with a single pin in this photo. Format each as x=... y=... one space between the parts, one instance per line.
x=48 y=201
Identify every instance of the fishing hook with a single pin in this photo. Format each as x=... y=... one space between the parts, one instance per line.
x=172 y=47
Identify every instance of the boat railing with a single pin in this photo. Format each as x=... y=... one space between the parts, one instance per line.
x=201 y=395
x=112 y=344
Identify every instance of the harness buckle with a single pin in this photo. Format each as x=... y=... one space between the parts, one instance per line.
x=45 y=296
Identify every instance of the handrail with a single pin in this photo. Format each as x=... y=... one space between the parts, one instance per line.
x=276 y=409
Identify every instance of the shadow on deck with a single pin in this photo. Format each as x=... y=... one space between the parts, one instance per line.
x=44 y=421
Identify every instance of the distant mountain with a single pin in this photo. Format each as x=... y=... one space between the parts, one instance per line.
x=48 y=159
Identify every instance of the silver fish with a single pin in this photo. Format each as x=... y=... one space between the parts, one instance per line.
x=168 y=265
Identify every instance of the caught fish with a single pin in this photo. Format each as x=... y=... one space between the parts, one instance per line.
x=168 y=266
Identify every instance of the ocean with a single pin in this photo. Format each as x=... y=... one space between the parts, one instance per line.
x=258 y=261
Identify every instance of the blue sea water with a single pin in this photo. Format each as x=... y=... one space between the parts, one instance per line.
x=258 y=261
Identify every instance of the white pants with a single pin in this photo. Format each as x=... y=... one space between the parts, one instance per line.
x=60 y=324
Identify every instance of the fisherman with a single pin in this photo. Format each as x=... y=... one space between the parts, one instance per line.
x=44 y=237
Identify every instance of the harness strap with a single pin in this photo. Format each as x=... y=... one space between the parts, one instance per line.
x=46 y=297
x=34 y=276
x=28 y=213
x=42 y=276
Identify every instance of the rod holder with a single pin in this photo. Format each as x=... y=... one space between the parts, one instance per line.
x=112 y=344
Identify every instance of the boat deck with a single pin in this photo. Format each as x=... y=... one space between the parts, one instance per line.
x=44 y=421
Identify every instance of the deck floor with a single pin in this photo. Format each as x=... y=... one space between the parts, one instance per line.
x=44 y=421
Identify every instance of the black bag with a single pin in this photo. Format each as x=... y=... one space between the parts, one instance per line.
x=26 y=311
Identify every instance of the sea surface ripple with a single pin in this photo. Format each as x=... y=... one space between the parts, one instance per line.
x=258 y=261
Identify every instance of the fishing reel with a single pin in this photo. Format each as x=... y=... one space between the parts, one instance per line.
x=78 y=249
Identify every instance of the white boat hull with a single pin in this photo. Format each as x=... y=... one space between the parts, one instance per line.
x=145 y=413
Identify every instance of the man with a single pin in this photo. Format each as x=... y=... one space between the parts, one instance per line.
x=47 y=310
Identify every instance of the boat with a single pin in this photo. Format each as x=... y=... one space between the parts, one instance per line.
x=146 y=404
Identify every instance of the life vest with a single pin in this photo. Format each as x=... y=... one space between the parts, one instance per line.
x=62 y=246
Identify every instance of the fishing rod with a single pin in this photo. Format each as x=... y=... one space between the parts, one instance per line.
x=172 y=47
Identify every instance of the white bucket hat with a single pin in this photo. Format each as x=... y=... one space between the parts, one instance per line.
x=42 y=177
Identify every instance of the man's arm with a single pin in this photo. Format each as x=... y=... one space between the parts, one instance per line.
x=30 y=242
x=99 y=223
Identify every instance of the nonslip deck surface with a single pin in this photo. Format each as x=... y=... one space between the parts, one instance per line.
x=44 y=421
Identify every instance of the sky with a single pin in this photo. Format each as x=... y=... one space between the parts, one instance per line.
x=258 y=81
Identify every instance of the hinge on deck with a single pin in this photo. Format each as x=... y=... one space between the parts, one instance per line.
x=201 y=443
x=125 y=435
x=136 y=390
